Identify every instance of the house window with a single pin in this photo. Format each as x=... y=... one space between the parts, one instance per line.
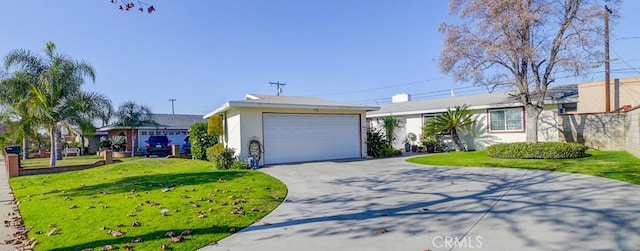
x=143 y=133
x=427 y=117
x=506 y=120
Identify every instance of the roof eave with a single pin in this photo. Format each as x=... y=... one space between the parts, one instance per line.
x=224 y=107
x=109 y=128
x=231 y=104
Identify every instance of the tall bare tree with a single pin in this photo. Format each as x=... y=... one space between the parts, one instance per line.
x=523 y=44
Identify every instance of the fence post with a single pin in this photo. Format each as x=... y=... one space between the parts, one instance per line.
x=12 y=165
x=108 y=156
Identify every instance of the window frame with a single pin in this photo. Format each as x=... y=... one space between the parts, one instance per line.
x=522 y=120
x=424 y=116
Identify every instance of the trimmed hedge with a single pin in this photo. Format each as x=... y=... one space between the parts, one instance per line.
x=541 y=150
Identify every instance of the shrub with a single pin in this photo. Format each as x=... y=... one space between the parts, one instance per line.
x=240 y=165
x=213 y=151
x=105 y=144
x=224 y=158
x=376 y=144
x=118 y=143
x=541 y=150
x=200 y=140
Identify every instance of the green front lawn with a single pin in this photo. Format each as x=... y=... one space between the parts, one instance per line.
x=91 y=207
x=616 y=165
x=67 y=161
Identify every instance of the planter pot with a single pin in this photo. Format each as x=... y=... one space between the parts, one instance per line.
x=414 y=148
x=431 y=149
x=122 y=154
x=407 y=147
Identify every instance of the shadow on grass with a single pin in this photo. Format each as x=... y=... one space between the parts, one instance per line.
x=151 y=236
x=143 y=183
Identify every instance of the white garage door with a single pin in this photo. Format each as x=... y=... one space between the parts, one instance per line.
x=310 y=137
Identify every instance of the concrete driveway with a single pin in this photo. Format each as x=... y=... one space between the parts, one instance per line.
x=389 y=204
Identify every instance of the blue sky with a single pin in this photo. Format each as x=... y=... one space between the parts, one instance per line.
x=205 y=52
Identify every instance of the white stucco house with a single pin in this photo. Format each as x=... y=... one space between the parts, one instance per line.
x=294 y=129
x=500 y=116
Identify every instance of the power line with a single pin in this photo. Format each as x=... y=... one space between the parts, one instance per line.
x=625 y=61
x=446 y=92
x=627 y=38
x=380 y=88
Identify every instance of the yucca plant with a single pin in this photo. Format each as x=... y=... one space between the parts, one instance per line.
x=449 y=122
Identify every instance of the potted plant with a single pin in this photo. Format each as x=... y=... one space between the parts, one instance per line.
x=430 y=143
x=407 y=144
x=412 y=137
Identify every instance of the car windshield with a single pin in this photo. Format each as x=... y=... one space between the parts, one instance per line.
x=158 y=140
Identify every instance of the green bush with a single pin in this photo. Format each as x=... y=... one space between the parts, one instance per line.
x=390 y=152
x=118 y=143
x=105 y=144
x=541 y=150
x=224 y=159
x=213 y=151
x=240 y=165
x=376 y=144
x=200 y=140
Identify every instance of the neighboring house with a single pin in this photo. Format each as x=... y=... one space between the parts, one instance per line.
x=500 y=116
x=294 y=129
x=623 y=92
x=174 y=126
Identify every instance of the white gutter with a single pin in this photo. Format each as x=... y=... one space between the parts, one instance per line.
x=230 y=104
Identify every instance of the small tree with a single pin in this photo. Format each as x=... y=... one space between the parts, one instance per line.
x=200 y=140
x=389 y=125
x=215 y=127
x=523 y=45
x=132 y=115
x=458 y=118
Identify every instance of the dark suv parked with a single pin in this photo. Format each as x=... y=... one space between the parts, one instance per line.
x=158 y=145
x=186 y=147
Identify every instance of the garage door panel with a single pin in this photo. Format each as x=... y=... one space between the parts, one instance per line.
x=300 y=137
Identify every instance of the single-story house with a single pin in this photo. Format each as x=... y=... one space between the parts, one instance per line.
x=174 y=126
x=623 y=92
x=294 y=129
x=500 y=116
x=90 y=144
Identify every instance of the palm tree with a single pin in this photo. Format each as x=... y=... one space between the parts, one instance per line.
x=54 y=93
x=390 y=124
x=458 y=118
x=130 y=114
x=15 y=110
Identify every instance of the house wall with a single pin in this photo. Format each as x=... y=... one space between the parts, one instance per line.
x=400 y=132
x=632 y=132
x=603 y=131
x=479 y=138
x=592 y=98
x=239 y=134
x=127 y=134
x=233 y=136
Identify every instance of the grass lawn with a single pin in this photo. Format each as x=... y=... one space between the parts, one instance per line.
x=615 y=165
x=86 y=205
x=67 y=161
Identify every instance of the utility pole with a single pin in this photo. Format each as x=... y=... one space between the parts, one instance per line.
x=607 y=70
x=172 y=108
x=279 y=89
